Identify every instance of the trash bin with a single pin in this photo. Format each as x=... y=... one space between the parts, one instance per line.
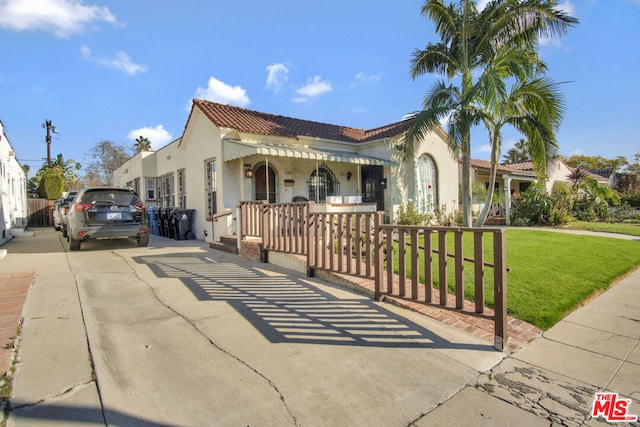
x=184 y=219
x=162 y=221
x=153 y=220
x=171 y=222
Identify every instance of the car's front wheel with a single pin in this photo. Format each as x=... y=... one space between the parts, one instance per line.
x=64 y=231
x=143 y=240
x=74 y=245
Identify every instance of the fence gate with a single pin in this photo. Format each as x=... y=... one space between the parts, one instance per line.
x=40 y=214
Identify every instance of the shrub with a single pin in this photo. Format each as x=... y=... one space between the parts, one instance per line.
x=51 y=185
x=533 y=207
x=410 y=216
x=631 y=199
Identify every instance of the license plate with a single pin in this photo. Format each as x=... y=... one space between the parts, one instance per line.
x=113 y=215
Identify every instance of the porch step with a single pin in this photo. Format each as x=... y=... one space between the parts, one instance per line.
x=226 y=244
x=496 y=220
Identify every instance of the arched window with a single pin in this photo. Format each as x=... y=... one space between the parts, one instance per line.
x=426 y=184
x=323 y=183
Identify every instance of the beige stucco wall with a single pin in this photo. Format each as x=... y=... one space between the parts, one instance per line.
x=403 y=176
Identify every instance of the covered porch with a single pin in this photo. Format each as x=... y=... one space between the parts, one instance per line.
x=510 y=183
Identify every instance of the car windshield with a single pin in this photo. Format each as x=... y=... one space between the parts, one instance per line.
x=110 y=196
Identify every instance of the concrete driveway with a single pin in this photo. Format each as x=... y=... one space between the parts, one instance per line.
x=177 y=334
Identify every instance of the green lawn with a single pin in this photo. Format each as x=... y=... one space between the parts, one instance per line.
x=550 y=273
x=631 y=229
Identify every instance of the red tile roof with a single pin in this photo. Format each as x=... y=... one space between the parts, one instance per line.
x=270 y=124
x=485 y=164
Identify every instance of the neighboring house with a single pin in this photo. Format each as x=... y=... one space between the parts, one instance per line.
x=511 y=180
x=608 y=174
x=558 y=171
x=514 y=178
x=229 y=154
x=13 y=190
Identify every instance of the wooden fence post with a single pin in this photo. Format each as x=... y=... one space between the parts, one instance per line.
x=500 y=288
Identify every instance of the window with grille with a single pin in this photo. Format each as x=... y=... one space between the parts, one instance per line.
x=426 y=184
x=323 y=183
x=182 y=192
x=167 y=191
x=211 y=187
x=151 y=188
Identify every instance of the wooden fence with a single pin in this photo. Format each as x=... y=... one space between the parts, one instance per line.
x=403 y=261
x=40 y=213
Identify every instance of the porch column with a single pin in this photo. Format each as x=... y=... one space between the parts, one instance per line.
x=507 y=199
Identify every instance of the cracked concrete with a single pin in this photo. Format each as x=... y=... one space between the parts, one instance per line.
x=176 y=334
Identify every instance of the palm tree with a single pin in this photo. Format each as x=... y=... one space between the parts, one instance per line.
x=142 y=144
x=518 y=154
x=470 y=41
x=578 y=177
x=534 y=107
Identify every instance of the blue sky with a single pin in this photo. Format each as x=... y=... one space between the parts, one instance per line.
x=114 y=70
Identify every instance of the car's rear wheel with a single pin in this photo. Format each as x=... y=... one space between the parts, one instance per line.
x=143 y=240
x=74 y=245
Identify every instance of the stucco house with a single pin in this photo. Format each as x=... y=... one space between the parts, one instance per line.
x=228 y=154
x=13 y=190
x=514 y=178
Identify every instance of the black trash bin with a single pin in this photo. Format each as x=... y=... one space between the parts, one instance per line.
x=184 y=219
x=171 y=222
x=162 y=221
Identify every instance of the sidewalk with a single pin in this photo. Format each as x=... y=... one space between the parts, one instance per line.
x=595 y=348
x=552 y=379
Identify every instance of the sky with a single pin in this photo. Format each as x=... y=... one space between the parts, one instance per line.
x=114 y=70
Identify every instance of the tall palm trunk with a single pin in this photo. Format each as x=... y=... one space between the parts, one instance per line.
x=466 y=183
x=495 y=154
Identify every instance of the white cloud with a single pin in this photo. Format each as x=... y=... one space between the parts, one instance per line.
x=481 y=4
x=158 y=136
x=63 y=18
x=121 y=62
x=362 y=79
x=568 y=8
x=221 y=92
x=484 y=149
x=315 y=87
x=277 y=75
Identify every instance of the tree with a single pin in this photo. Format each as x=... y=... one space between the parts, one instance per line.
x=596 y=162
x=142 y=144
x=535 y=108
x=470 y=41
x=518 y=154
x=52 y=179
x=50 y=184
x=107 y=156
x=578 y=177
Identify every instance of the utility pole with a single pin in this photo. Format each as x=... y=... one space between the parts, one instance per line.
x=50 y=129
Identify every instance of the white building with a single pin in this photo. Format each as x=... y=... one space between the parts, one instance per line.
x=13 y=190
x=229 y=154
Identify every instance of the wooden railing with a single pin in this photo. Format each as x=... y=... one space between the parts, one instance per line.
x=251 y=218
x=343 y=242
x=403 y=252
x=285 y=226
x=403 y=261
